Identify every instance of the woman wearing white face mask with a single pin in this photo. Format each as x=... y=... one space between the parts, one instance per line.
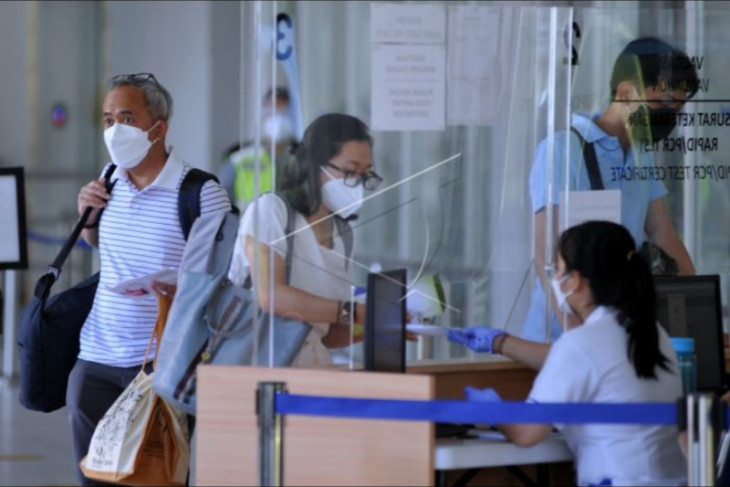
x=324 y=184
x=617 y=353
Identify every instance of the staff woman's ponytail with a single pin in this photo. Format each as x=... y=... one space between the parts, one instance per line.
x=603 y=253
x=638 y=316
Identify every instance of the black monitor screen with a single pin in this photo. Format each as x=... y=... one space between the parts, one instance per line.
x=385 y=334
x=689 y=306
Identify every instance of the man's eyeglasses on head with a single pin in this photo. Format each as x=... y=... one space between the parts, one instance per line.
x=370 y=181
x=135 y=77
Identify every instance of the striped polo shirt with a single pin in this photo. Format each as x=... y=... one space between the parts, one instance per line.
x=139 y=234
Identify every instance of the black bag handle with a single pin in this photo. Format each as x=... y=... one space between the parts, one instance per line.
x=591 y=161
x=54 y=270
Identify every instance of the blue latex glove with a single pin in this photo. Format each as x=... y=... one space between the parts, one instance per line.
x=485 y=395
x=477 y=338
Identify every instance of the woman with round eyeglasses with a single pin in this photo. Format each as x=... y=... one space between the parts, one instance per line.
x=324 y=185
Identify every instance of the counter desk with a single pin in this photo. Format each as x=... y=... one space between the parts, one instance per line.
x=512 y=380
x=333 y=451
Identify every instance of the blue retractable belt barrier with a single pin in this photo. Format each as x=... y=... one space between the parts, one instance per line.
x=477 y=412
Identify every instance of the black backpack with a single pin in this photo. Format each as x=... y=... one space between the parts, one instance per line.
x=49 y=329
x=659 y=261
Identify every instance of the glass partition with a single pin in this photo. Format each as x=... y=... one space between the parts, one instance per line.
x=667 y=173
x=456 y=96
x=470 y=107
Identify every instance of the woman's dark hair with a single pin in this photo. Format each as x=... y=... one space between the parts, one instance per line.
x=604 y=253
x=653 y=62
x=322 y=141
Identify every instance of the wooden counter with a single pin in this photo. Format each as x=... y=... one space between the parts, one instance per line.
x=512 y=380
x=334 y=451
x=317 y=450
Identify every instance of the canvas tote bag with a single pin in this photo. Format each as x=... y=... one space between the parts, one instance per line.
x=141 y=440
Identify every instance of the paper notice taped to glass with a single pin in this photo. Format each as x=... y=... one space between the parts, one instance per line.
x=577 y=207
x=473 y=57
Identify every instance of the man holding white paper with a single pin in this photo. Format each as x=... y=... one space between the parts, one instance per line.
x=140 y=233
x=650 y=83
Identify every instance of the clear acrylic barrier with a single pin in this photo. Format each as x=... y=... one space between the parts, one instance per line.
x=459 y=96
x=684 y=164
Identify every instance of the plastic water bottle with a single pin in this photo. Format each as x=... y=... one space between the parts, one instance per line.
x=686 y=362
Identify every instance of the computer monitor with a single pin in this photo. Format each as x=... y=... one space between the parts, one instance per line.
x=690 y=306
x=385 y=331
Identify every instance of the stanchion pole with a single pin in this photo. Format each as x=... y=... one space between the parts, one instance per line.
x=9 y=319
x=702 y=434
x=271 y=434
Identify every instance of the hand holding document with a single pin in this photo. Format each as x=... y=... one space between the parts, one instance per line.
x=140 y=287
x=427 y=330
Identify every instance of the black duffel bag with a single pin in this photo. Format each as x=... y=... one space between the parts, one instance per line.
x=48 y=342
x=49 y=329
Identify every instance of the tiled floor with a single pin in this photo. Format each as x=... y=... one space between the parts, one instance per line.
x=35 y=448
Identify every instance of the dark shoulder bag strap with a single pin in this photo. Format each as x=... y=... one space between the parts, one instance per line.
x=591 y=161
x=188 y=202
x=289 y=232
x=345 y=231
x=54 y=270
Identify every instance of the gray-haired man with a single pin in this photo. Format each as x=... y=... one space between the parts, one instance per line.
x=138 y=234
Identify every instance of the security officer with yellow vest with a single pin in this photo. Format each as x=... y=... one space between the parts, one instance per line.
x=237 y=172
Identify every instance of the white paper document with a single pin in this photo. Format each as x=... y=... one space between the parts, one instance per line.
x=583 y=206
x=408 y=87
x=140 y=287
x=427 y=330
x=412 y=24
x=472 y=64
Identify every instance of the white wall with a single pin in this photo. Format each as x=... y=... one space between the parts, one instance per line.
x=13 y=83
x=194 y=50
x=171 y=40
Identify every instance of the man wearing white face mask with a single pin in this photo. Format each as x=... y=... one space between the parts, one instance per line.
x=323 y=184
x=237 y=171
x=138 y=233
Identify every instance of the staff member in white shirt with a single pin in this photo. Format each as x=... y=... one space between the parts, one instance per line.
x=618 y=353
x=326 y=179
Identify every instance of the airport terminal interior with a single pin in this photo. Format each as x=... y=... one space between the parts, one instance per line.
x=470 y=106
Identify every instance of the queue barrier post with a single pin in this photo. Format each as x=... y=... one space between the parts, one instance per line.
x=271 y=434
x=702 y=415
x=704 y=418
